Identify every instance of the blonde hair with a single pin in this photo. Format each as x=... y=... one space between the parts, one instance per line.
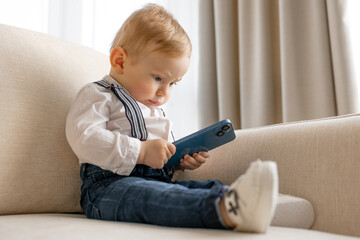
x=152 y=24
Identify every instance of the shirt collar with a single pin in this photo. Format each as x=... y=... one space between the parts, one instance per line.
x=110 y=80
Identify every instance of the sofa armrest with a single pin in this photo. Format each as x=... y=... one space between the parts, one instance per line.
x=318 y=160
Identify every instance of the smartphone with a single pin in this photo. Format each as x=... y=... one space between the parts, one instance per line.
x=202 y=141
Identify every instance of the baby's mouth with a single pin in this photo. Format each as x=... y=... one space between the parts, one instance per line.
x=153 y=102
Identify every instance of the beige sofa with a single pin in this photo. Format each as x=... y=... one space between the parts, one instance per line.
x=39 y=183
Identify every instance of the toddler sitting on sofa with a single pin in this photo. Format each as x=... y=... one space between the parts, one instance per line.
x=122 y=139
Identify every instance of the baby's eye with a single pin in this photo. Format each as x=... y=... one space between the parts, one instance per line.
x=173 y=83
x=157 y=78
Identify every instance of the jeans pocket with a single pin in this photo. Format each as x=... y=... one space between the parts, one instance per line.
x=90 y=210
x=93 y=212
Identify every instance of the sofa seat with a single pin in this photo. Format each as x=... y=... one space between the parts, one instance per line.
x=77 y=226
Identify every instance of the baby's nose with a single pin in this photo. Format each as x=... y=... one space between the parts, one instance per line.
x=162 y=91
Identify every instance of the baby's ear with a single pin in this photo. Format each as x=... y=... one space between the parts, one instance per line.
x=118 y=57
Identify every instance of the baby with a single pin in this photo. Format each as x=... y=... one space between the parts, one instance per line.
x=123 y=140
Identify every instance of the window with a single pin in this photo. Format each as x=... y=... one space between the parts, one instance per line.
x=94 y=23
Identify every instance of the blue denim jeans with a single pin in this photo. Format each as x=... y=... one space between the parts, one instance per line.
x=149 y=196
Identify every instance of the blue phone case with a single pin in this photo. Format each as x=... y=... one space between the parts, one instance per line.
x=202 y=141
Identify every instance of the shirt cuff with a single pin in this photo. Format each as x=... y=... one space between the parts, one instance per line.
x=131 y=157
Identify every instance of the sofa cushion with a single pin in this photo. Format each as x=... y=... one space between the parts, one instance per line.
x=40 y=76
x=293 y=212
x=71 y=226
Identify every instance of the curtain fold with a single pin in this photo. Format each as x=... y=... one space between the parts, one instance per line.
x=227 y=62
x=346 y=86
x=265 y=62
x=208 y=98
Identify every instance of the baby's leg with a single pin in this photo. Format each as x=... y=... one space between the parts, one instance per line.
x=134 y=199
x=209 y=184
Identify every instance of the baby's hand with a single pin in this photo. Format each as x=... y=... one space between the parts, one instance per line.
x=155 y=153
x=195 y=161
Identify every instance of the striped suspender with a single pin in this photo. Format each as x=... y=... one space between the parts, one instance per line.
x=132 y=110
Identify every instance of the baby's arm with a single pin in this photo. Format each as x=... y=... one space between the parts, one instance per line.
x=155 y=153
x=89 y=138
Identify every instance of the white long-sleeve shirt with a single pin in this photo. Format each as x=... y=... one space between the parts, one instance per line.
x=100 y=134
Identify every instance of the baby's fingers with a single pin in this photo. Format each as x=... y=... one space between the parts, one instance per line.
x=204 y=154
x=189 y=162
x=198 y=159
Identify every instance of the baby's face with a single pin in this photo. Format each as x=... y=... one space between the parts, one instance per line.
x=151 y=79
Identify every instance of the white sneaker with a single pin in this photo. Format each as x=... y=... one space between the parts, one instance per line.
x=251 y=200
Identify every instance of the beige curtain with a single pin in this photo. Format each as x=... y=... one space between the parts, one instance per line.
x=270 y=61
